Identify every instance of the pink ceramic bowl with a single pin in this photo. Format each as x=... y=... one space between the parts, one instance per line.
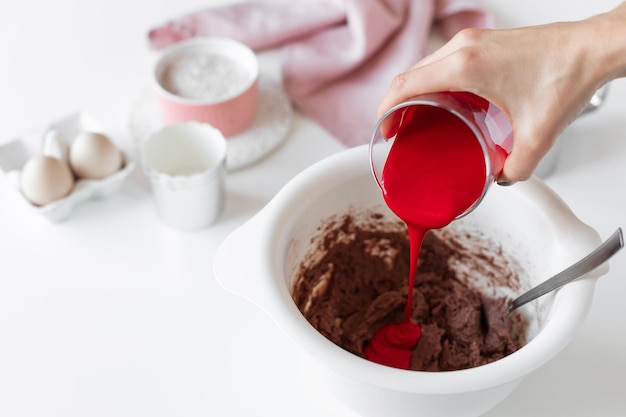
x=210 y=80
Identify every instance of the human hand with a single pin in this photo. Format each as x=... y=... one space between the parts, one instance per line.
x=541 y=77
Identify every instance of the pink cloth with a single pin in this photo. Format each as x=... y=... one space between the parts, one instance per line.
x=339 y=56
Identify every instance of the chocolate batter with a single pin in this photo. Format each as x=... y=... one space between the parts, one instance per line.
x=354 y=281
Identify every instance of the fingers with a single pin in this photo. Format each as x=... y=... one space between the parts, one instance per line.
x=464 y=39
x=446 y=69
x=524 y=158
x=516 y=169
x=428 y=78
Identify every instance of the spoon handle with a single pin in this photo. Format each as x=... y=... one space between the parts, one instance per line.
x=588 y=263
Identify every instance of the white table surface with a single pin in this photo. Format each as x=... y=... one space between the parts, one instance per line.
x=112 y=313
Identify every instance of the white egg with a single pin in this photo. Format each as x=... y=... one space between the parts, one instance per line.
x=93 y=156
x=45 y=179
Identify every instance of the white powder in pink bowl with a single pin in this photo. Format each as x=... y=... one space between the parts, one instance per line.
x=205 y=76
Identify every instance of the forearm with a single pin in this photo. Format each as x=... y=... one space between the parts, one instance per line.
x=606 y=39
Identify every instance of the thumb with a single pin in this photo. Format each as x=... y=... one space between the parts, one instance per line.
x=523 y=160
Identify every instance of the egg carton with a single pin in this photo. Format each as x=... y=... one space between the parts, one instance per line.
x=54 y=140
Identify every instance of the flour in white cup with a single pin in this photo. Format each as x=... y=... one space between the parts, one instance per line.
x=205 y=76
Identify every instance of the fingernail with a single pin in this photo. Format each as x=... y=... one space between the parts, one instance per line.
x=506 y=183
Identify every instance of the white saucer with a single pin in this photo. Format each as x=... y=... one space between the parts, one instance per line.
x=268 y=130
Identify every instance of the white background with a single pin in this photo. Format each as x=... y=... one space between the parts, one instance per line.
x=112 y=313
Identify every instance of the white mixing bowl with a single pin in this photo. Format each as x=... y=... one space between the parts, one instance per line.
x=529 y=220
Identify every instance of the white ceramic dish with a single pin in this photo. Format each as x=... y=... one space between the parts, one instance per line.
x=14 y=154
x=185 y=165
x=528 y=220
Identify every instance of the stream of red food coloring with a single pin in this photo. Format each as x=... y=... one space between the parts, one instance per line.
x=434 y=172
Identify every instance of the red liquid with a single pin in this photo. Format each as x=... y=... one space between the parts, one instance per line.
x=434 y=172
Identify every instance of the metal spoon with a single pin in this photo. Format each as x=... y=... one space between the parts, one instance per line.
x=588 y=263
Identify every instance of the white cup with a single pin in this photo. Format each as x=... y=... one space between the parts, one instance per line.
x=186 y=164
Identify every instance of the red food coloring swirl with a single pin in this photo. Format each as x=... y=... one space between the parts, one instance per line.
x=434 y=172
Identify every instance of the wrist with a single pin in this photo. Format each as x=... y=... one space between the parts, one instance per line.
x=605 y=38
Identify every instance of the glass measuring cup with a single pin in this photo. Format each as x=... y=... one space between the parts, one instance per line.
x=490 y=127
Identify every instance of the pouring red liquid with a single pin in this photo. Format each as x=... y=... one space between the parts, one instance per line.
x=436 y=170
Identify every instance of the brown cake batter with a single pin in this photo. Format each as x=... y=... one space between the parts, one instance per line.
x=354 y=281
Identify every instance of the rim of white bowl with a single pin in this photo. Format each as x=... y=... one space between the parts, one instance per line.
x=571 y=303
